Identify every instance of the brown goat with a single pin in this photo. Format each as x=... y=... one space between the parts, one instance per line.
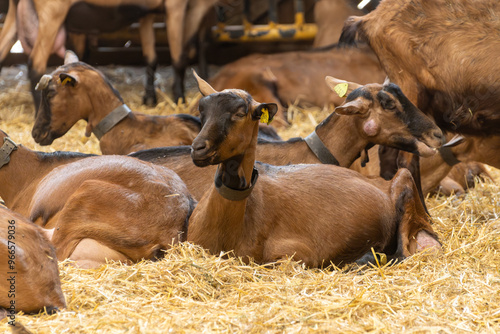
x=308 y=212
x=28 y=270
x=291 y=77
x=101 y=207
x=77 y=91
x=372 y=114
x=443 y=54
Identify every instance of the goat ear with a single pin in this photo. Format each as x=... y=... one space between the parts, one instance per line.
x=68 y=80
x=70 y=57
x=354 y=107
x=203 y=86
x=265 y=112
x=341 y=87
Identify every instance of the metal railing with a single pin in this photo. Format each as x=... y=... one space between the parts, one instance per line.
x=273 y=31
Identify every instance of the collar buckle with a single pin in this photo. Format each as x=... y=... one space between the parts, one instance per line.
x=8 y=146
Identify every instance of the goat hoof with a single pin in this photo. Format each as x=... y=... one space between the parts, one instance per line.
x=368 y=258
x=149 y=100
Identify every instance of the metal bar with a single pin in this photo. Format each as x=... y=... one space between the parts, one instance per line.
x=273 y=11
x=265 y=33
x=246 y=10
x=246 y=15
x=299 y=6
x=299 y=13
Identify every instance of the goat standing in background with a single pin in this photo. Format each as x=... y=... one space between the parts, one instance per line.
x=78 y=91
x=311 y=212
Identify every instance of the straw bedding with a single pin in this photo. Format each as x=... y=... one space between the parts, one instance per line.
x=193 y=291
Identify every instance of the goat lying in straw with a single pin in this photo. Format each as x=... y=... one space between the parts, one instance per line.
x=28 y=270
x=310 y=212
x=77 y=91
x=99 y=208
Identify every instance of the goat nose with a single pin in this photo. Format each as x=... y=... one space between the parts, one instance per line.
x=439 y=135
x=199 y=145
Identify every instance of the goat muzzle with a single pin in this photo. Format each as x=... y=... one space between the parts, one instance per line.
x=201 y=154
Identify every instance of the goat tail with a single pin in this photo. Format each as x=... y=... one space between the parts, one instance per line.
x=351 y=31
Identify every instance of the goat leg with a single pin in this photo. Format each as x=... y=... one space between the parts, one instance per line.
x=8 y=36
x=146 y=31
x=412 y=163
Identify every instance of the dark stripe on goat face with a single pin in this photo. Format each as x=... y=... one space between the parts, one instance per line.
x=405 y=144
x=359 y=92
x=44 y=115
x=417 y=122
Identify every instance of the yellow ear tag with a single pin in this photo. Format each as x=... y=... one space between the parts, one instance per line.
x=264 y=118
x=341 y=89
x=65 y=81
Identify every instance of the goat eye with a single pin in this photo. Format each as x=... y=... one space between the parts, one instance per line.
x=241 y=112
x=390 y=105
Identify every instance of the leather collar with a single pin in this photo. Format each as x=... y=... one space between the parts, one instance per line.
x=5 y=151
x=320 y=150
x=448 y=156
x=235 y=194
x=111 y=119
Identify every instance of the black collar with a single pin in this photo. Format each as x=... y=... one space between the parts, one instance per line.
x=320 y=150
x=5 y=151
x=448 y=156
x=235 y=194
x=111 y=119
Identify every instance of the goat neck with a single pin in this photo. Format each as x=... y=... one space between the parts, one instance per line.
x=101 y=106
x=235 y=173
x=340 y=135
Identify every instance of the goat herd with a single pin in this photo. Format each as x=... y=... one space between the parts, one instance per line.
x=227 y=182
